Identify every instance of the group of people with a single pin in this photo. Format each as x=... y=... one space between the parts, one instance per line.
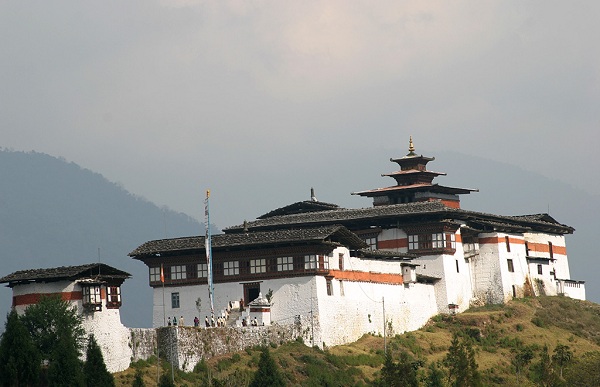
x=246 y=322
x=220 y=321
x=175 y=322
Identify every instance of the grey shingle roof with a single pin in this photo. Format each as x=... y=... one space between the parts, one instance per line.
x=336 y=233
x=345 y=214
x=300 y=207
x=385 y=254
x=538 y=222
x=65 y=272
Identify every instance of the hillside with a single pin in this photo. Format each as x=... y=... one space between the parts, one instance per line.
x=54 y=213
x=496 y=334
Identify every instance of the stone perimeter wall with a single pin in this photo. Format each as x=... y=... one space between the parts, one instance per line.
x=142 y=342
x=185 y=346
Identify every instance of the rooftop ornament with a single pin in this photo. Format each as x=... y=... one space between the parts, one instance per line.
x=411 y=148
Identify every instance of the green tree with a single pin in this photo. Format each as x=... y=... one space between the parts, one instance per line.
x=435 y=376
x=19 y=358
x=65 y=369
x=166 y=381
x=268 y=374
x=94 y=369
x=389 y=372
x=138 y=379
x=542 y=372
x=562 y=356
x=474 y=377
x=461 y=364
x=52 y=321
x=521 y=358
x=584 y=371
x=400 y=374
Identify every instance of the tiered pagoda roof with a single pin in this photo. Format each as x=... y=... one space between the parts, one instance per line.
x=414 y=183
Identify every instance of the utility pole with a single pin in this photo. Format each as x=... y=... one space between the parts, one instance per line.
x=384 y=324
x=312 y=317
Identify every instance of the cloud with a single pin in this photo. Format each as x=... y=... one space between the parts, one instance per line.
x=237 y=91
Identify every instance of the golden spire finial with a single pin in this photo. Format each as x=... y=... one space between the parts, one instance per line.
x=411 y=147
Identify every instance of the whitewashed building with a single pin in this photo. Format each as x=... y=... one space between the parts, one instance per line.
x=94 y=289
x=414 y=254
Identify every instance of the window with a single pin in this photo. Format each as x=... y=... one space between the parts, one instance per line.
x=324 y=262
x=178 y=272
x=507 y=242
x=175 y=300
x=202 y=270
x=91 y=297
x=155 y=274
x=540 y=270
x=341 y=259
x=450 y=240
x=329 y=287
x=511 y=267
x=285 y=263
x=372 y=242
x=413 y=242
x=341 y=288
x=258 y=266
x=438 y=240
x=310 y=262
x=526 y=249
x=231 y=268
x=550 y=250
x=113 y=296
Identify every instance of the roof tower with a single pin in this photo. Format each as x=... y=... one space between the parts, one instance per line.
x=414 y=183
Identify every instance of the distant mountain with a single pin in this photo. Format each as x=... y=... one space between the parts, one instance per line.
x=55 y=213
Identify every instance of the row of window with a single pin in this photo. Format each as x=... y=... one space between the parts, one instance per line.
x=511 y=267
x=92 y=297
x=232 y=268
x=437 y=240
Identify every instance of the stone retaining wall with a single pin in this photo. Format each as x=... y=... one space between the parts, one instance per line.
x=142 y=342
x=185 y=346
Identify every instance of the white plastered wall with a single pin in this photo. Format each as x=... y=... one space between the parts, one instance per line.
x=338 y=318
x=110 y=334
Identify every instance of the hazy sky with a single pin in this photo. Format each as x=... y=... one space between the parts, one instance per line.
x=261 y=100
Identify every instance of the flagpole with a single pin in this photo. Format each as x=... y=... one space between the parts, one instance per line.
x=208 y=248
x=162 y=279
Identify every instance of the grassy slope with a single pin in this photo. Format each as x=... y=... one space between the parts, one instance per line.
x=496 y=331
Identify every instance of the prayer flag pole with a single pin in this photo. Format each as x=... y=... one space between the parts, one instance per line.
x=208 y=248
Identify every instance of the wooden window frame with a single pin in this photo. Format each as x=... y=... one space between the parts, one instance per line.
x=113 y=297
x=175 y=300
x=92 y=297
x=154 y=273
x=178 y=272
x=329 y=285
x=258 y=266
x=511 y=265
x=285 y=264
x=202 y=270
x=231 y=268
x=311 y=262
